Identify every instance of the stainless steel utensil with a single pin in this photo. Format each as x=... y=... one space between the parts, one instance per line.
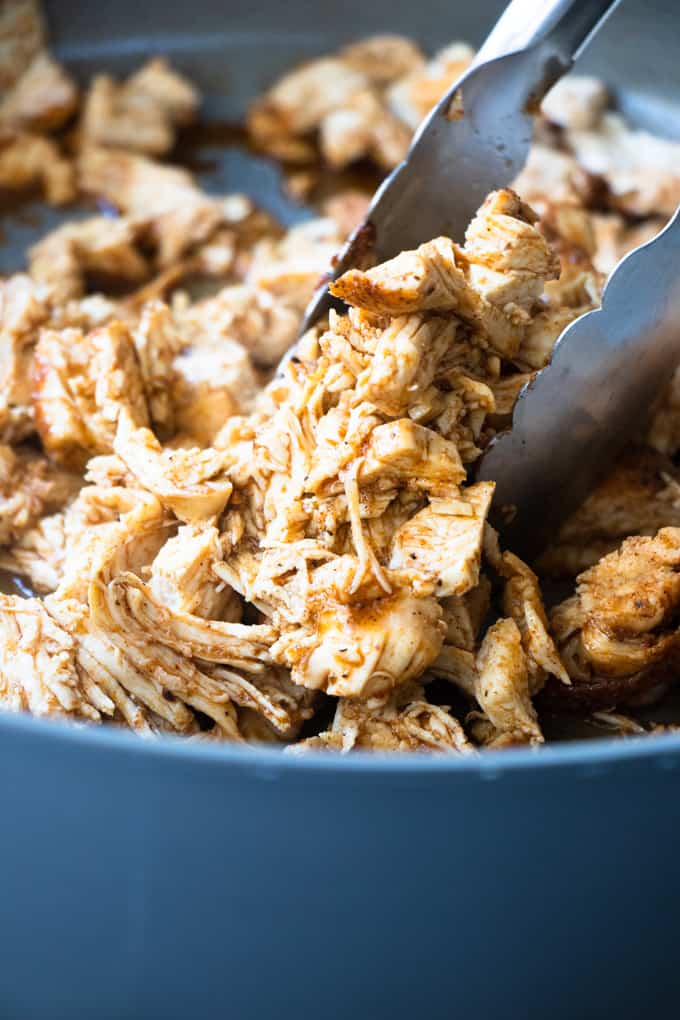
x=477 y=138
x=606 y=369
x=609 y=365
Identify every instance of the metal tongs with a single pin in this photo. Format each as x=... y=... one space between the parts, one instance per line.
x=608 y=365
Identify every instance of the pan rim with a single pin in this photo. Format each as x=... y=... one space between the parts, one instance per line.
x=590 y=758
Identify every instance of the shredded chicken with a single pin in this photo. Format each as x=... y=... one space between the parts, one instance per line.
x=229 y=554
x=502 y=686
x=42 y=99
x=30 y=486
x=80 y=385
x=95 y=247
x=640 y=495
x=618 y=635
x=405 y=721
x=29 y=160
x=22 y=36
x=141 y=113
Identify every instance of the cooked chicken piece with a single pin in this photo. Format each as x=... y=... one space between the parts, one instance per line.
x=427 y=280
x=346 y=134
x=171 y=91
x=458 y=666
x=100 y=667
x=523 y=602
x=576 y=102
x=277 y=580
x=461 y=413
x=206 y=390
x=363 y=102
x=298 y=103
x=633 y=591
x=136 y=185
x=212 y=237
x=54 y=263
x=464 y=615
x=615 y=237
x=363 y=127
x=321 y=485
x=347 y=209
x=142 y=112
x=241 y=646
x=404 y=721
x=511 y=260
x=213 y=378
x=131 y=669
x=404 y=452
x=98 y=247
x=81 y=383
x=182 y=577
x=168 y=211
x=502 y=687
x=42 y=99
x=579 y=289
x=416 y=93
x=291 y=269
x=441 y=277
x=383 y=58
x=38 y=667
x=638 y=497
x=405 y=362
x=440 y=547
x=549 y=172
x=357 y=651
x=505 y=392
x=381 y=523
x=251 y=316
x=61 y=547
x=618 y=635
x=640 y=169
x=22 y=36
x=24 y=307
x=389 y=142
x=143 y=702
x=272 y=696
x=539 y=339
x=570 y=229
x=195 y=225
x=29 y=487
x=160 y=677
x=190 y=482
x=108 y=519
x=86 y=313
x=158 y=342
x=28 y=160
x=38 y=554
x=348 y=343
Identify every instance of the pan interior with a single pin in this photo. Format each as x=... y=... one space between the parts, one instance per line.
x=232 y=66
x=233 y=55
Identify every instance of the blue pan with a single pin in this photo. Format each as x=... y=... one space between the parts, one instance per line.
x=169 y=880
